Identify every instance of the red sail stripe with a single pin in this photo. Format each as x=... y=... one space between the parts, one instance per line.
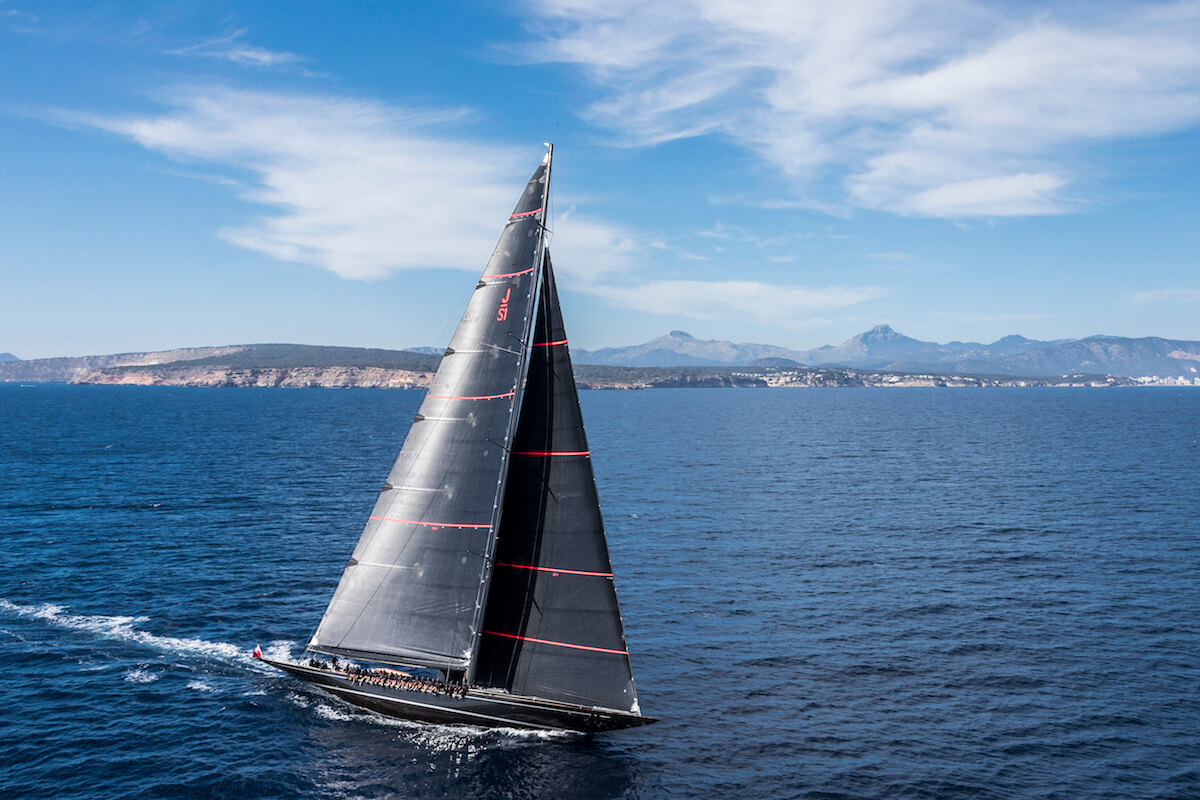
x=468 y=397
x=507 y=274
x=559 y=644
x=549 y=344
x=526 y=213
x=434 y=524
x=554 y=570
x=551 y=453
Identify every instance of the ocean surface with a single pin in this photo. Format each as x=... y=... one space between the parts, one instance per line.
x=841 y=593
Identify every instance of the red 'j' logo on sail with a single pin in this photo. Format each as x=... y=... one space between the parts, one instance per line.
x=502 y=314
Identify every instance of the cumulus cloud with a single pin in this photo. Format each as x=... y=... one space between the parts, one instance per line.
x=943 y=108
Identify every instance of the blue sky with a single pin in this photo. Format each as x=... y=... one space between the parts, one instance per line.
x=181 y=174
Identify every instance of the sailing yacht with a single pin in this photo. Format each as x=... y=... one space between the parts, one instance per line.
x=484 y=566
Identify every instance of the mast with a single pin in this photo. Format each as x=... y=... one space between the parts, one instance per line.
x=414 y=588
x=526 y=342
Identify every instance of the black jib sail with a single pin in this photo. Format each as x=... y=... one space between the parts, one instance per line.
x=552 y=628
x=413 y=590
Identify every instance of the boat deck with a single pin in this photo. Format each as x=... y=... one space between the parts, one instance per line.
x=481 y=707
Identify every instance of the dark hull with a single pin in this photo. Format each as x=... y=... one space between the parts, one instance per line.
x=480 y=707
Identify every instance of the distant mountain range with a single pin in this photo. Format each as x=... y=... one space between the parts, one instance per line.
x=879 y=349
x=882 y=348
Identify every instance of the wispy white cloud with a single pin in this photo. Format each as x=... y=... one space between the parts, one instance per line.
x=614 y=263
x=793 y=306
x=357 y=187
x=231 y=47
x=20 y=20
x=944 y=108
x=1152 y=296
x=364 y=189
x=589 y=249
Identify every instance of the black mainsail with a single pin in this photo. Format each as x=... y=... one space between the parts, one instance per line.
x=412 y=591
x=485 y=556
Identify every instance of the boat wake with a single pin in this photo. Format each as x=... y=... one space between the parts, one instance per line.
x=427 y=734
x=125 y=629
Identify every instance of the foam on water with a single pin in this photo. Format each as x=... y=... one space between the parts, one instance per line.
x=297 y=700
x=201 y=686
x=280 y=650
x=140 y=675
x=123 y=628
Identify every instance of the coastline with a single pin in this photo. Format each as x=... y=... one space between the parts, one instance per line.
x=589 y=377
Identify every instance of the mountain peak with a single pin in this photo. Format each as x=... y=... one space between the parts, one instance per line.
x=881 y=333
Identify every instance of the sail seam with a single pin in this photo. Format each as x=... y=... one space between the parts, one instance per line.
x=549 y=344
x=559 y=644
x=551 y=452
x=525 y=213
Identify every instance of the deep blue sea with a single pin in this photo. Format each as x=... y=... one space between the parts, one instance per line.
x=827 y=593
